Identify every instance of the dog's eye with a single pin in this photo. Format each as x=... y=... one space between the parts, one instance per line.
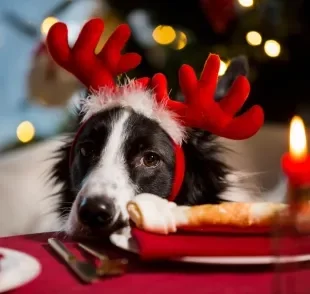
x=150 y=159
x=87 y=149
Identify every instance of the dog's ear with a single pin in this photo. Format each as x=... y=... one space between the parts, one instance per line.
x=238 y=66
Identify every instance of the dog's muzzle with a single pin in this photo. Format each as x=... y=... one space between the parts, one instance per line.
x=97 y=213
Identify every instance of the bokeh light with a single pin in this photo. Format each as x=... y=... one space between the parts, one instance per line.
x=47 y=24
x=254 y=38
x=181 y=41
x=164 y=35
x=272 y=48
x=223 y=68
x=25 y=131
x=246 y=3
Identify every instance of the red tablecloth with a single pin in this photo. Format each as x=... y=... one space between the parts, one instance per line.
x=148 y=278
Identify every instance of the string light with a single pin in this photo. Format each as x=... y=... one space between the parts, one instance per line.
x=223 y=68
x=164 y=35
x=25 y=132
x=47 y=24
x=181 y=41
x=246 y=3
x=272 y=48
x=253 y=38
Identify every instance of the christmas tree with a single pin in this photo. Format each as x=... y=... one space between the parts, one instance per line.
x=272 y=34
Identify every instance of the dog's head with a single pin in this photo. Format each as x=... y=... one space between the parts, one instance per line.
x=118 y=154
x=128 y=142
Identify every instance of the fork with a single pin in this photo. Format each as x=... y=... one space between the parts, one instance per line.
x=84 y=270
x=107 y=266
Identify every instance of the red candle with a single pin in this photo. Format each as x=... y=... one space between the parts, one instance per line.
x=296 y=163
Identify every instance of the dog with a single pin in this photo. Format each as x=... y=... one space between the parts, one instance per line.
x=121 y=153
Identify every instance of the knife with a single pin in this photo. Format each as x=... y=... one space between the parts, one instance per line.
x=85 y=271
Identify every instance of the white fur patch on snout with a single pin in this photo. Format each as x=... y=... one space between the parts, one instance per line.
x=110 y=177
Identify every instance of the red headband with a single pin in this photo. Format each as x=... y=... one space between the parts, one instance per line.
x=199 y=110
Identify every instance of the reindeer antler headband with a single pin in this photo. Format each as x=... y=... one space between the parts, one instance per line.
x=150 y=97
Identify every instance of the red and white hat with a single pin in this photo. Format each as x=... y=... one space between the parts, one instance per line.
x=149 y=97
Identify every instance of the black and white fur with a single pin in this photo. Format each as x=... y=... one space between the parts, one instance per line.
x=122 y=152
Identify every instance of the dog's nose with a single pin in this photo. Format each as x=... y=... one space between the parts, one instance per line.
x=96 y=212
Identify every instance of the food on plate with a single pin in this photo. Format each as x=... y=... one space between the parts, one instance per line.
x=154 y=214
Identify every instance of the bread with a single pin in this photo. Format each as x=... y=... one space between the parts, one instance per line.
x=152 y=213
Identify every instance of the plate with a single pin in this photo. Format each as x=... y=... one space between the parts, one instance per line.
x=17 y=269
x=127 y=242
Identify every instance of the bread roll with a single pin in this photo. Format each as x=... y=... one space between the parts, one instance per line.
x=154 y=214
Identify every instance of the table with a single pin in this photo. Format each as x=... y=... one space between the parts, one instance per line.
x=147 y=278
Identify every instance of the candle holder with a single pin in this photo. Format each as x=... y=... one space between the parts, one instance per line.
x=291 y=230
x=298 y=195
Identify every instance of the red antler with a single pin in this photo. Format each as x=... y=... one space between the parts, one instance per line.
x=200 y=110
x=94 y=71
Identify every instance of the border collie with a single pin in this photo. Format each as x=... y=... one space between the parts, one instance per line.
x=120 y=153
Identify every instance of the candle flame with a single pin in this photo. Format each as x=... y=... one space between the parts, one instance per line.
x=298 y=139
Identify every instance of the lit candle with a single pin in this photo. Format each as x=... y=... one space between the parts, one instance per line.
x=296 y=163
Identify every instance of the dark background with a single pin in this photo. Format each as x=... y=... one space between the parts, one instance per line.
x=279 y=84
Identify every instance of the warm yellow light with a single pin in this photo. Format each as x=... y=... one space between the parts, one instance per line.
x=47 y=24
x=223 y=68
x=25 y=131
x=164 y=35
x=254 y=38
x=298 y=140
x=181 y=41
x=246 y=3
x=272 y=48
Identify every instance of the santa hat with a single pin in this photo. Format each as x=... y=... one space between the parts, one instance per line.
x=149 y=97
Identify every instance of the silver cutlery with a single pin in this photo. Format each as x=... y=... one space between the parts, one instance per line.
x=101 y=257
x=86 y=271
x=108 y=266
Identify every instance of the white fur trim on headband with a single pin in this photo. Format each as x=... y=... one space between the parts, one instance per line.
x=141 y=101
